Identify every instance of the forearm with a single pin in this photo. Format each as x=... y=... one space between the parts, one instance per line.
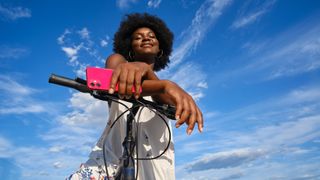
x=156 y=89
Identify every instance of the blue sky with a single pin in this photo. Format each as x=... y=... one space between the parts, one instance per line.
x=253 y=67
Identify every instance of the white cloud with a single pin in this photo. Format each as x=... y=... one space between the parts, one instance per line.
x=61 y=38
x=81 y=49
x=39 y=163
x=281 y=128
x=86 y=111
x=72 y=52
x=12 y=87
x=68 y=143
x=56 y=149
x=104 y=42
x=12 y=52
x=13 y=13
x=23 y=109
x=253 y=15
x=154 y=3
x=57 y=165
x=291 y=53
x=225 y=159
x=205 y=17
x=290 y=56
x=248 y=20
x=194 y=84
x=84 y=33
x=5 y=146
x=249 y=152
x=16 y=98
x=202 y=85
x=123 y=4
x=295 y=104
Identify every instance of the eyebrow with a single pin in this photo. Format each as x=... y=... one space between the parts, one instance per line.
x=139 y=33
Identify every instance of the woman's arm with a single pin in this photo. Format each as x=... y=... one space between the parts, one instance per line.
x=139 y=71
x=131 y=74
x=187 y=110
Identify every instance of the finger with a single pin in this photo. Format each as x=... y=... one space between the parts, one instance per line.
x=178 y=110
x=137 y=83
x=185 y=113
x=200 y=120
x=130 y=79
x=114 y=80
x=122 y=83
x=192 y=118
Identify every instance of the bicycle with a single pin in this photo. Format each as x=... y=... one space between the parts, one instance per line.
x=127 y=170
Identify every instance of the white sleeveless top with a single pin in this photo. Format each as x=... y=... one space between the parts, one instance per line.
x=152 y=136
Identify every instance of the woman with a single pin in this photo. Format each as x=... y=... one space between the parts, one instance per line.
x=142 y=45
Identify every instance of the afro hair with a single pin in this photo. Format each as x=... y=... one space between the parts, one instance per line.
x=123 y=37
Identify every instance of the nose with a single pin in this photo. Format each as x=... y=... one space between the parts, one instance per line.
x=146 y=38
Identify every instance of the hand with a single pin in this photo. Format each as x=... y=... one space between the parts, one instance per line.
x=128 y=75
x=186 y=109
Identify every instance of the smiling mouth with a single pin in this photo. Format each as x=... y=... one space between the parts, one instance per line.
x=146 y=45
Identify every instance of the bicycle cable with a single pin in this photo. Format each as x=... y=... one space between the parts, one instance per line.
x=136 y=135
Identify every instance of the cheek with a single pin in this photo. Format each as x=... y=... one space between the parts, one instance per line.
x=134 y=45
x=156 y=45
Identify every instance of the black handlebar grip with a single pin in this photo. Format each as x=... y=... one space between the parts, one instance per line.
x=63 y=81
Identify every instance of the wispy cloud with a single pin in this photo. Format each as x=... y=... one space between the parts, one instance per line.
x=16 y=98
x=204 y=19
x=7 y=52
x=280 y=127
x=246 y=18
x=86 y=111
x=68 y=143
x=154 y=3
x=225 y=159
x=195 y=85
x=105 y=41
x=123 y=4
x=61 y=38
x=39 y=163
x=5 y=145
x=84 y=33
x=291 y=53
x=257 y=152
x=76 y=132
x=13 y=13
x=12 y=87
x=79 y=46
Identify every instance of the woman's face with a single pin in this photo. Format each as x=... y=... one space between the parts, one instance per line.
x=144 y=43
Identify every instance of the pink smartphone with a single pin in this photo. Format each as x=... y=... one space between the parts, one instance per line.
x=100 y=79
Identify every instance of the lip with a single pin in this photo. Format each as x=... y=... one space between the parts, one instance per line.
x=147 y=45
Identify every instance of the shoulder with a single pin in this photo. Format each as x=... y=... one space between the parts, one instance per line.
x=114 y=60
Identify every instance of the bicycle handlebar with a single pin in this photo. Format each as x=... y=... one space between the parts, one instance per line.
x=80 y=85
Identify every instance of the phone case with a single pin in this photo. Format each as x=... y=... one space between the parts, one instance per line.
x=100 y=78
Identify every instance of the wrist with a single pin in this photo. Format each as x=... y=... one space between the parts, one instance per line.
x=166 y=85
x=150 y=74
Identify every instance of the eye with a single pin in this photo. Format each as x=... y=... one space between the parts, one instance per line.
x=151 y=35
x=137 y=37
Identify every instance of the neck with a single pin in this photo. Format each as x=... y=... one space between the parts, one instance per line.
x=146 y=59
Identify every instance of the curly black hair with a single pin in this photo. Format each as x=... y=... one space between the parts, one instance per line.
x=131 y=22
